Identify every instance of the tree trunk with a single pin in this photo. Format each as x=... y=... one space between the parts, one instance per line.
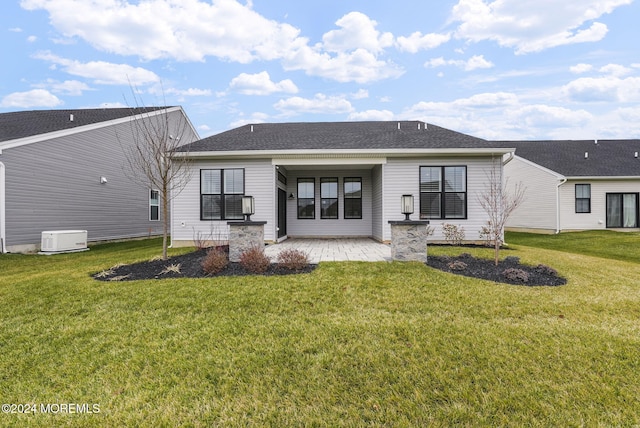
x=165 y=223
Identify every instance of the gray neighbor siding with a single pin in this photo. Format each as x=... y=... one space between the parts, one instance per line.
x=55 y=185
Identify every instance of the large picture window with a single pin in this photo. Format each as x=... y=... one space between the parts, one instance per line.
x=221 y=193
x=583 y=198
x=352 y=198
x=622 y=210
x=329 y=197
x=306 y=198
x=443 y=192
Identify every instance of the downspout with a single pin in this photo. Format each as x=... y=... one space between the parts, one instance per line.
x=3 y=235
x=564 y=180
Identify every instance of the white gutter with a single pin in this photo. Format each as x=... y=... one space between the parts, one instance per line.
x=562 y=181
x=3 y=234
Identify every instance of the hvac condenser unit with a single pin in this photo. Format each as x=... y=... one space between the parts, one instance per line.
x=63 y=241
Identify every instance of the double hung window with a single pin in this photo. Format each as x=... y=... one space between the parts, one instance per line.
x=443 y=192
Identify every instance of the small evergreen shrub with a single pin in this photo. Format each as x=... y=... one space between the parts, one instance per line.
x=293 y=259
x=215 y=261
x=546 y=270
x=457 y=265
x=514 y=274
x=255 y=260
x=453 y=234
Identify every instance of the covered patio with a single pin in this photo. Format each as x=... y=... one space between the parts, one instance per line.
x=334 y=250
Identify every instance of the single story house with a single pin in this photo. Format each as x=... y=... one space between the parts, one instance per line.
x=576 y=185
x=64 y=170
x=334 y=179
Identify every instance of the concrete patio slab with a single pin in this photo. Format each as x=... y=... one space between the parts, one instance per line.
x=330 y=250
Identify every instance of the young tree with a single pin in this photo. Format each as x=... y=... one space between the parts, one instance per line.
x=154 y=159
x=499 y=203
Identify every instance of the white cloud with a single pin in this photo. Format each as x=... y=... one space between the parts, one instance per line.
x=580 y=68
x=256 y=117
x=544 y=116
x=190 y=92
x=68 y=87
x=361 y=94
x=320 y=103
x=616 y=70
x=261 y=84
x=102 y=72
x=473 y=63
x=32 y=39
x=371 y=115
x=33 y=98
x=529 y=26
x=418 y=41
x=609 y=88
x=357 y=31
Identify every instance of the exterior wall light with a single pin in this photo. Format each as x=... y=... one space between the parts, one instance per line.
x=406 y=205
x=248 y=207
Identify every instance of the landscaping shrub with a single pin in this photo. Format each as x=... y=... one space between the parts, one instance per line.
x=547 y=270
x=255 y=260
x=293 y=259
x=457 y=265
x=215 y=261
x=453 y=234
x=514 y=274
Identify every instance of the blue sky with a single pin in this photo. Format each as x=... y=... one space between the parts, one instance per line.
x=504 y=69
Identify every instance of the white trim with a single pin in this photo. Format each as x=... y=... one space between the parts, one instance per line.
x=345 y=153
x=328 y=161
x=3 y=235
x=9 y=144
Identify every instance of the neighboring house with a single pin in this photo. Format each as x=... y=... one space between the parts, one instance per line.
x=65 y=169
x=576 y=185
x=341 y=179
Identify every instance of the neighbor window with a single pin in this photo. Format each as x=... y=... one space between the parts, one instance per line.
x=583 y=198
x=622 y=210
x=443 y=192
x=328 y=198
x=154 y=205
x=221 y=193
x=352 y=198
x=306 y=198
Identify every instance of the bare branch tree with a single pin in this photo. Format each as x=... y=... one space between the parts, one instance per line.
x=499 y=203
x=154 y=158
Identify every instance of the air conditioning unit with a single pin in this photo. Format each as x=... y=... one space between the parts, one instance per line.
x=63 y=241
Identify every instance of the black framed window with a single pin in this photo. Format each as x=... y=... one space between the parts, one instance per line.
x=306 y=198
x=154 y=205
x=583 y=198
x=443 y=192
x=329 y=198
x=352 y=198
x=622 y=210
x=221 y=192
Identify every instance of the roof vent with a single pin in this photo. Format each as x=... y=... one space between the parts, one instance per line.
x=398 y=125
x=596 y=141
x=251 y=128
x=635 y=155
x=418 y=126
x=71 y=118
x=586 y=155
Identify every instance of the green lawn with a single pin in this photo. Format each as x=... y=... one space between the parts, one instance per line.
x=351 y=344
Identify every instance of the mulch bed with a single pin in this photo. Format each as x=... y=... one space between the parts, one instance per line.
x=509 y=270
x=190 y=267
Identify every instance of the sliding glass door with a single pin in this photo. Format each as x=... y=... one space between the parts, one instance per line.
x=622 y=210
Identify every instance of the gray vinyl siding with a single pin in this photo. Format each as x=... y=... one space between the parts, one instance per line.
x=55 y=185
x=596 y=219
x=377 y=188
x=329 y=227
x=260 y=182
x=401 y=176
x=539 y=209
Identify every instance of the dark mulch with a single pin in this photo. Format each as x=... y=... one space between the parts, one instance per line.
x=190 y=267
x=509 y=270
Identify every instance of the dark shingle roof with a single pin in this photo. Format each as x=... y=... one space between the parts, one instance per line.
x=606 y=158
x=337 y=136
x=23 y=124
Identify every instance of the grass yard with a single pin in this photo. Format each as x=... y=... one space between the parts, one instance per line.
x=350 y=344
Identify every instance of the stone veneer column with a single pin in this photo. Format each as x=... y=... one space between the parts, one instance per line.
x=409 y=240
x=244 y=235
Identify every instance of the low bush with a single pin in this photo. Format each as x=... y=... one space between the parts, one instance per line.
x=293 y=259
x=215 y=261
x=254 y=260
x=453 y=234
x=547 y=270
x=457 y=265
x=514 y=274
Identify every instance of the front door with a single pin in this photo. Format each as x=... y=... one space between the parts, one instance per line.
x=282 y=213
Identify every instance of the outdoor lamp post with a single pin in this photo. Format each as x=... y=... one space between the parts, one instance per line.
x=248 y=207
x=406 y=205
